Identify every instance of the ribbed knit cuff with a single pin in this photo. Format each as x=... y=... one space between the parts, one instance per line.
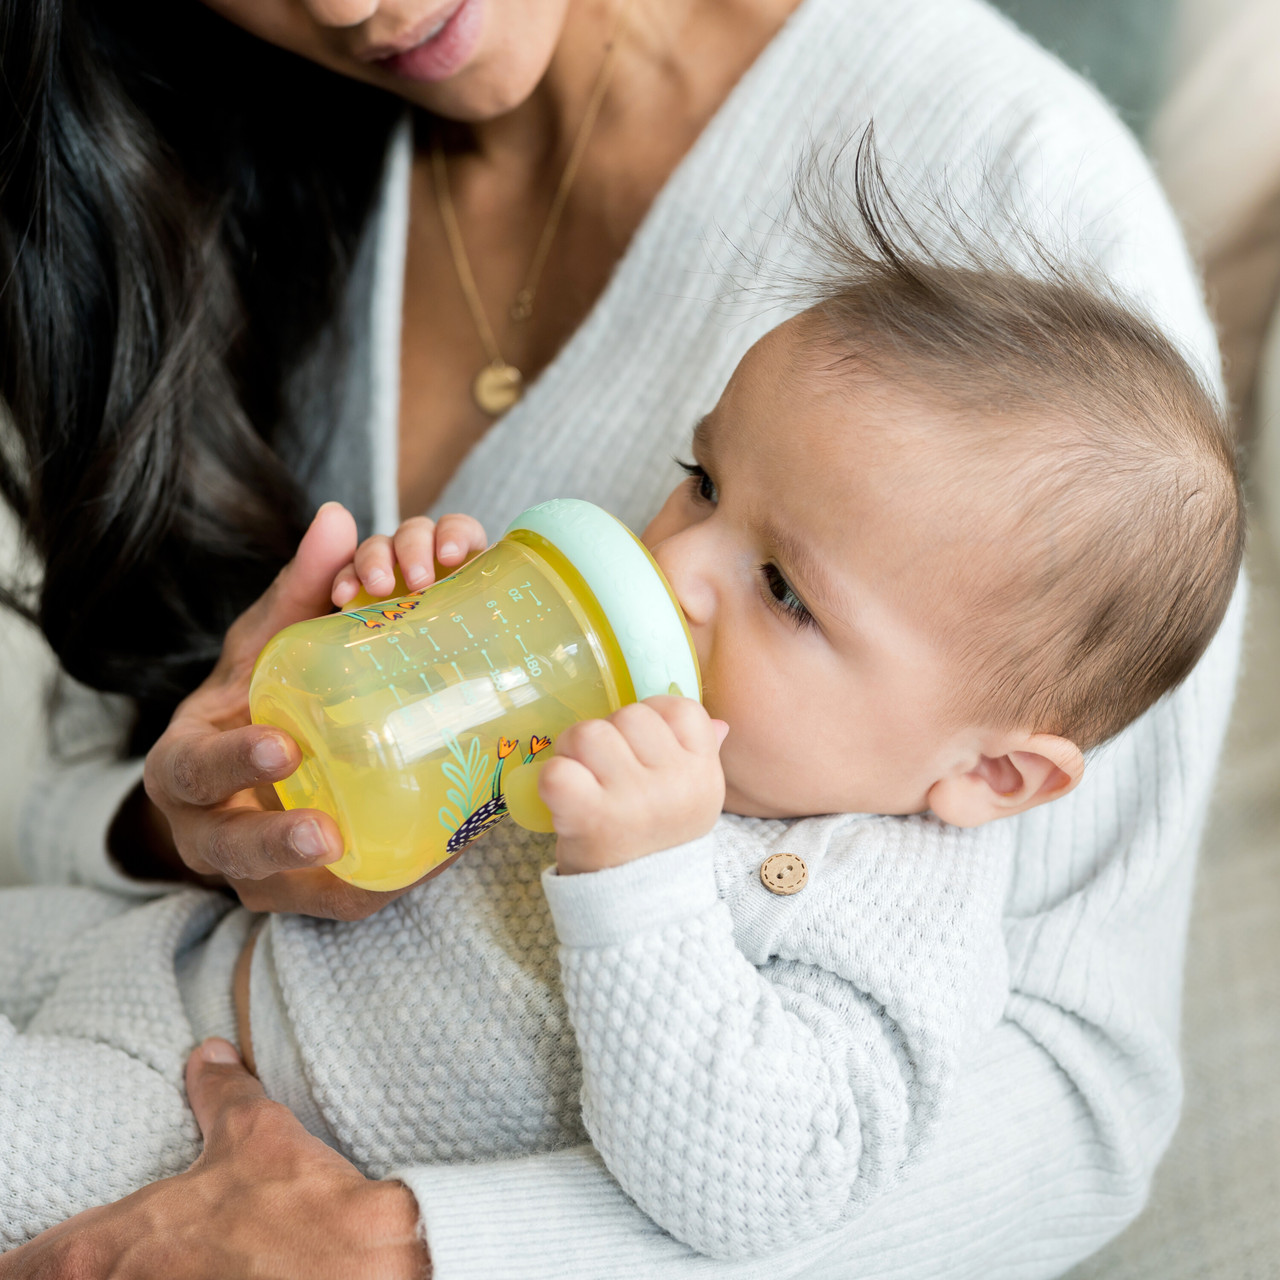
x=604 y=908
x=62 y=832
x=544 y=1217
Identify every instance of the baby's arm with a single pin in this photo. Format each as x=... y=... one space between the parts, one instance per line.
x=93 y=1038
x=758 y=1067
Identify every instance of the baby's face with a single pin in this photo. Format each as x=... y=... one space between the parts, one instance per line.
x=815 y=552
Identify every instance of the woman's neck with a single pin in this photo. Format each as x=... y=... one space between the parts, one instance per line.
x=668 y=52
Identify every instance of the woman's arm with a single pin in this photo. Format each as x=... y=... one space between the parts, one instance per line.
x=264 y=1198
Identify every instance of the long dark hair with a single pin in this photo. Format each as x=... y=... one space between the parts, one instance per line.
x=179 y=205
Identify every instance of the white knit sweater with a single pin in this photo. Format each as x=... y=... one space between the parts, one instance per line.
x=1047 y=1144
x=753 y=1068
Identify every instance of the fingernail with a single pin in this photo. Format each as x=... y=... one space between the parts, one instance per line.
x=309 y=840
x=449 y=549
x=415 y=573
x=219 y=1051
x=269 y=754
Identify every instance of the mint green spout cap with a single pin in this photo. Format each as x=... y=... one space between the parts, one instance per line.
x=630 y=589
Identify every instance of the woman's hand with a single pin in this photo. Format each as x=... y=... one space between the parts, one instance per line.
x=264 y=1199
x=208 y=778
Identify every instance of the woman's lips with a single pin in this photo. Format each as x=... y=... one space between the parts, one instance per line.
x=443 y=53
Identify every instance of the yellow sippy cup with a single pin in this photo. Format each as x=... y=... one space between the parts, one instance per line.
x=423 y=719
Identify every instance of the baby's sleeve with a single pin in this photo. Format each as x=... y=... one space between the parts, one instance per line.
x=757 y=1067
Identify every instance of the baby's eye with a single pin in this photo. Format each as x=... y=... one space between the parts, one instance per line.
x=704 y=486
x=782 y=599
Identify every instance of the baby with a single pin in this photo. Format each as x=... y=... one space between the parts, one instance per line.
x=945 y=531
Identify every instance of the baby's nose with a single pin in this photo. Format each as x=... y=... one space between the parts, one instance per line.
x=690 y=586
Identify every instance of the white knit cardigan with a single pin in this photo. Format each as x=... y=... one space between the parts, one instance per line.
x=1047 y=1146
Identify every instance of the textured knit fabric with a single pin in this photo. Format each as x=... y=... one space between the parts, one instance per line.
x=1046 y=1146
x=93 y=1041
x=753 y=1067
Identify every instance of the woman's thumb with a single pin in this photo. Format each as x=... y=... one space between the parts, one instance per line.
x=217 y=1080
x=301 y=589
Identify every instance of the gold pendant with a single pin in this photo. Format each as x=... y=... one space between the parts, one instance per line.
x=497 y=387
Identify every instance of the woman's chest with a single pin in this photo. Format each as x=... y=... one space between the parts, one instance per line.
x=494 y=277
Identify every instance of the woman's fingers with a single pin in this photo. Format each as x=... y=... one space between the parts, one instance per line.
x=207 y=778
x=317 y=892
x=202 y=779
x=197 y=764
x=218 y=1083
x=248 y=844
x=264 y=1198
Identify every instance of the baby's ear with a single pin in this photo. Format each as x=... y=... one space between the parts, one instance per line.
x=1034 y=769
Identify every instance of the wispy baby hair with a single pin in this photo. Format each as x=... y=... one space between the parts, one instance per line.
x=1114 y=475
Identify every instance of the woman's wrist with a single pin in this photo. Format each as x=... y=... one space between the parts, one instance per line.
x=393 y=1217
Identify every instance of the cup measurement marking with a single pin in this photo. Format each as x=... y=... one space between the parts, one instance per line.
x=531 y=660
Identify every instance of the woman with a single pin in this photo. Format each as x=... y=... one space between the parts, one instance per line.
x=269 y=346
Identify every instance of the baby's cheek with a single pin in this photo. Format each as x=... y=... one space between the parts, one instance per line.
x=749 y=769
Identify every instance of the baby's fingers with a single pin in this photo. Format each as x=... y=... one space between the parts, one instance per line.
x=458 y=537
x=419 y=543
x=572 y=793
x=346 y=586
x=415 y=551
x=375 y=565
x=694 y=729
x=600 y=747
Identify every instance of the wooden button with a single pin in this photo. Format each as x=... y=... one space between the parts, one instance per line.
x=784 y=873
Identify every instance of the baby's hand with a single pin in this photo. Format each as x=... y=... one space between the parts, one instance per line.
x=645 y=779
x=418 y=545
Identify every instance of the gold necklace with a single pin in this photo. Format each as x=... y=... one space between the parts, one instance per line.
x=499 y=384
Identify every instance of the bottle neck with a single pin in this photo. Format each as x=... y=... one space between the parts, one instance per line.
x=591 y=618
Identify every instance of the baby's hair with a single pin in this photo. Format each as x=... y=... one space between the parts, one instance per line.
x=1114 y=466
